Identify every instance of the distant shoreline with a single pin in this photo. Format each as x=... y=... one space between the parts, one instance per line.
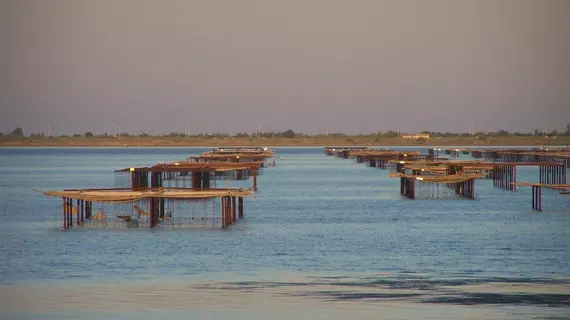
x=279 y=142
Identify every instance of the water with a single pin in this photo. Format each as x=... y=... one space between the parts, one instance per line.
x=315 y=220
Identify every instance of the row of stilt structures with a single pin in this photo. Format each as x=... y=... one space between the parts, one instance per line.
x=235 y=155
x=173 y=195
x=503 y=174
x=561 y=155
x=376 y=158
x=431 y=176
x=196 y=175
x=421 y=175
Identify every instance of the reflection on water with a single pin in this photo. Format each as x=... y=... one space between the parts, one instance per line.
x=389 y=296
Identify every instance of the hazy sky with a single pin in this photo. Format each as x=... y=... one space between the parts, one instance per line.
x=355 y=65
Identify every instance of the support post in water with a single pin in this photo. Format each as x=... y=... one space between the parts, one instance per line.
x=240 y=204
x=537 y=198
x=64 y=212
x=234 y=209
x=70 y=212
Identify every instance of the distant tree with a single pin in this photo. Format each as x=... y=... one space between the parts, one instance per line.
x=554 y=133
x=89 y=134
x=144 y=134
x=421 y=140
x=338 y=135
x=18 y=132
x=501 y=133
x=289 y=134
x=390 y=134
x=480 y=134
x=567 y=129
x=76 y=135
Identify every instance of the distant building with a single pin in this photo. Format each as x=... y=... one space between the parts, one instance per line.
x=416 y=136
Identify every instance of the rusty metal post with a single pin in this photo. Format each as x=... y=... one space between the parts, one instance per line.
x=64 y=212
x=539 y=198
x=533 y=197
x=564 y=170
x=228 y=210
x=78 y=217
x=503 y=177
x=196 y=180
x=83 y=211
x=88 y=205
x=240 y=210
x=153 y=208
x=514 y=178
x=70 y=213
x=234 y=209
x=222 y=211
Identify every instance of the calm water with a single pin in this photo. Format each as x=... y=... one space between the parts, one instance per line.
x=315 y=216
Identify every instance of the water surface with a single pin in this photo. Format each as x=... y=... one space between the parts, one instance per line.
x=315 y=217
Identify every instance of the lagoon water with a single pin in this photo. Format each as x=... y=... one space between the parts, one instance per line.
x=324 y=238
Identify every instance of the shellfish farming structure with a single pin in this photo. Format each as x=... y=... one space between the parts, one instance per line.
x=151 y=207
x=422 y=184
x=179 y=194
x=197 y=175
x=537 y=188
x=240 y=155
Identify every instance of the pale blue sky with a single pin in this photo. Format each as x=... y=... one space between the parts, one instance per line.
x=358 y=65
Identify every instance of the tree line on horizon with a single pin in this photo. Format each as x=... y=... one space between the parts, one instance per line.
x=18 y=132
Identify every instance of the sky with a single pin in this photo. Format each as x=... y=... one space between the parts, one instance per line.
x=231 y=66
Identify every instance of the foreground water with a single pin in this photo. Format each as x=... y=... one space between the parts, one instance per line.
x=328 y=236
